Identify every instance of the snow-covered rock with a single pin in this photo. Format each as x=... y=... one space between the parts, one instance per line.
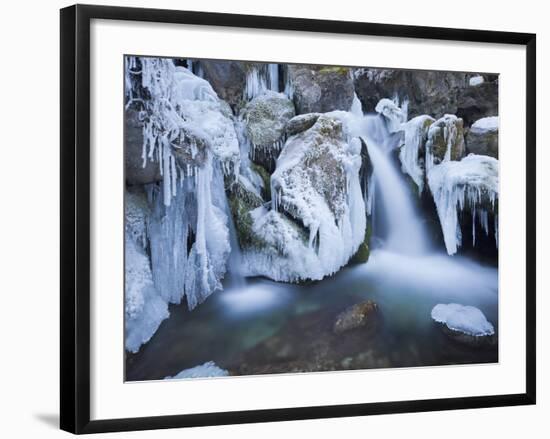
x=482 y=138
x=206 y=370
x=394 y=116
x=470 y=184
x=301 y=123
x=474 y=81
x=445 y=140
x=465 y=324
x=412 y=152
x=316 y=184
x=265 y=118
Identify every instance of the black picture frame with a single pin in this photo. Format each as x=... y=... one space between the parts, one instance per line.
x=75 y=217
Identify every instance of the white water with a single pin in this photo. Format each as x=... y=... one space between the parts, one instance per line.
x=394 y=208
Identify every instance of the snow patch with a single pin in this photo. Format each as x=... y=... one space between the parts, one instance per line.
x=206 y=370
x=394 y=115
x=467 y=319
x=485 y=124
x=476 y=80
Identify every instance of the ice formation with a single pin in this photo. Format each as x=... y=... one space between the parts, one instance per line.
x=466 y=319
x=444 y=129
x=206 y=370
x=262 y=78
x=410 y=154
x=394 y=115
x=471 y=183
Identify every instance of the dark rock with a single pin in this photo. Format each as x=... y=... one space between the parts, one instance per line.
x=477 y=102
x=301 y=123
x=318 y=89
x=227 y=78
x=474 y=341
x=135 y=172
x=360 y=315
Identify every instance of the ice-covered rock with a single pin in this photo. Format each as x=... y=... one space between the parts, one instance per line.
x=445 y=140
x=465 y=324
x=482 y=138
x=260 y=78
x=469 y=184
x=394 y=116
x=320 y=89
x=474 y=81
x=412 y=152
x=265 y=118
x=316 y=184
x=206 y=370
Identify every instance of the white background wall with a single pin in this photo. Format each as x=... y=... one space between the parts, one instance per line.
x=29 y=249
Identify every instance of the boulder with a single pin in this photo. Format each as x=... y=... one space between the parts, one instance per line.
x=482 y=138
x=266 y=117
x=465 y=324
x=301 y=123
x=360 y=315
x=478 y=101
x=318 y=89
x=135 y=171
x=227 y=78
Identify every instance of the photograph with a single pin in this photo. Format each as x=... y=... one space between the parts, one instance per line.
x=295 y=218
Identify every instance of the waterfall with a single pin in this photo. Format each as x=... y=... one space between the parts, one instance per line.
x=394 y=206
x=234 y=262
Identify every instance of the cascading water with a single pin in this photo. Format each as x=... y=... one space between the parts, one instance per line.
x=394 y=207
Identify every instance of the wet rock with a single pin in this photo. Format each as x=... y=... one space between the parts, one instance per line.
x=318 y=89
x=360 y=315
x=476 y=102
x=482 y=138
x=135 y=172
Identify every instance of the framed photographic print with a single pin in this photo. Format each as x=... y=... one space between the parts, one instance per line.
x=268 y=218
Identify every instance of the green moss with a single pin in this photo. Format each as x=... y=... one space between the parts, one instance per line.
x=266 y=178
x=363 y=252
x=241 y=202
x=334 y=69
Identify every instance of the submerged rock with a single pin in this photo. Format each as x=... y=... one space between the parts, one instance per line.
x=482 y=138
x=360 y=315
x=320 y=89
x=465 y=324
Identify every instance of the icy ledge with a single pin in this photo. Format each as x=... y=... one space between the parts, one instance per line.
x=206 y=370
x=472 y=183
x=466 y=319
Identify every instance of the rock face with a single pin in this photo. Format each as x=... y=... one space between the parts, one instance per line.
x=478 y=101
x=482 y=138
x=135 y=171
x=321 y=89
x=465 y=324
x=431 y=93
x=227 y=78
x=445 y=140
x=360 y=315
